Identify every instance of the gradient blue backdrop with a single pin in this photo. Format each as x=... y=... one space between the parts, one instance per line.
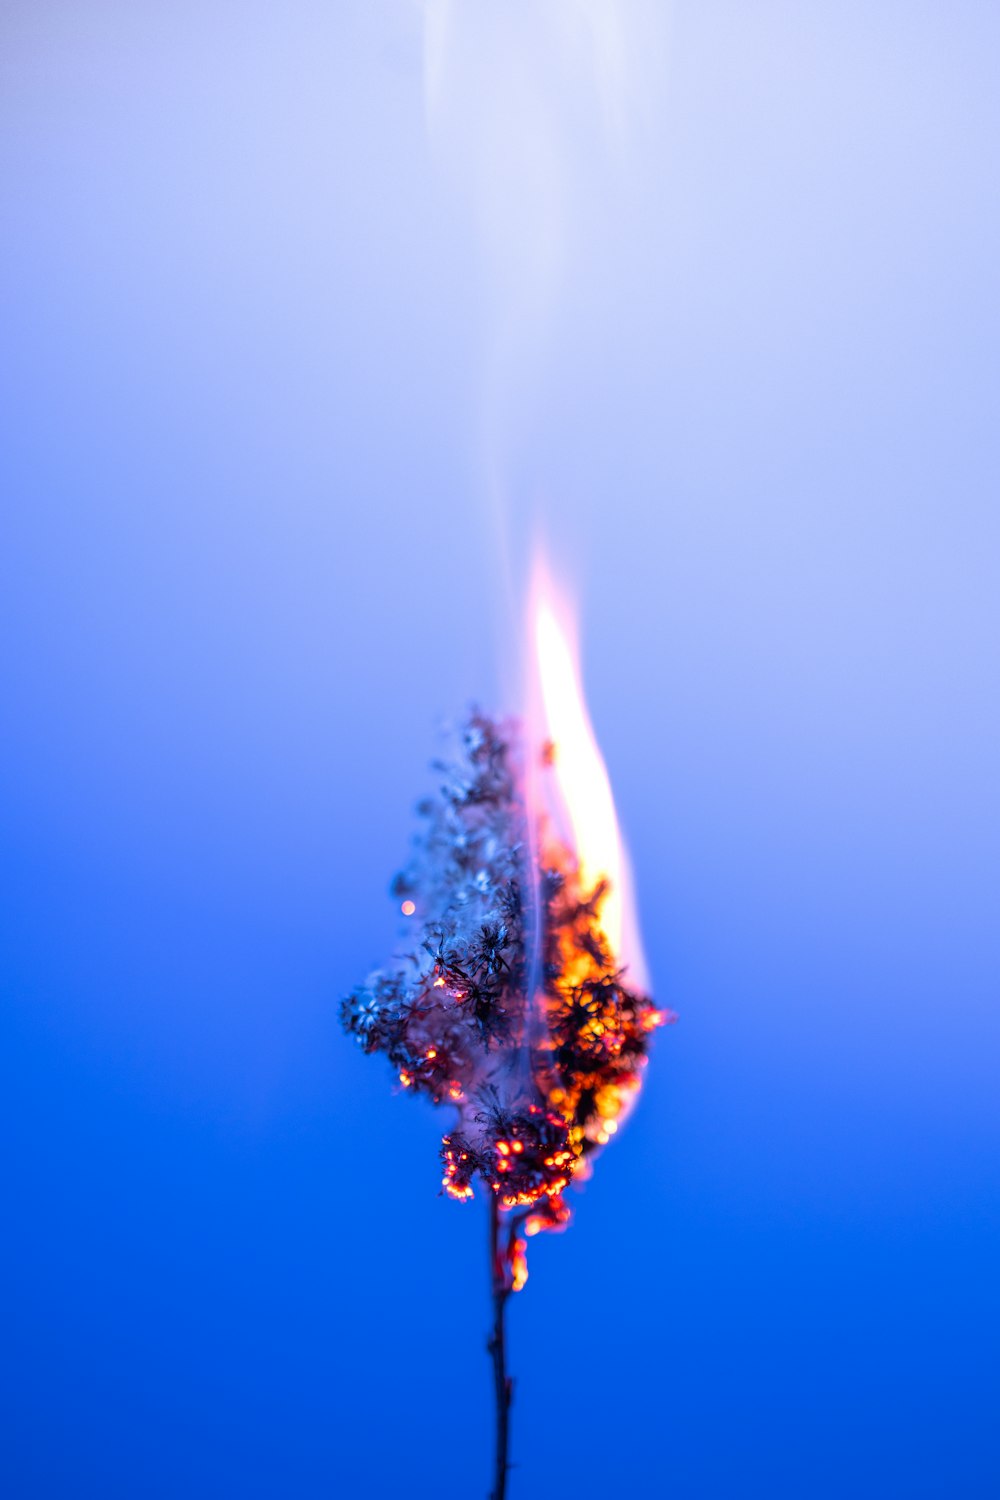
x=247 y=562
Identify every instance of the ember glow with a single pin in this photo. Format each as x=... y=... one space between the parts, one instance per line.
x=515 y=1008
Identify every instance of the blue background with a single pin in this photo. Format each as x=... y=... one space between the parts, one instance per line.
x=250 y=555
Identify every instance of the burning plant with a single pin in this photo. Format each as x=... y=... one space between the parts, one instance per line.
x=514 y=1007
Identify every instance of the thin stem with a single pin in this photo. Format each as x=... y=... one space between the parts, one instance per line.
x=503 y=1384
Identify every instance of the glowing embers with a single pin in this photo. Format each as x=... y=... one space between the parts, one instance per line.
x=457 y=1179
x=518 y=1261
x=521 y=1153
x=596 y=1031
x=549 y=1213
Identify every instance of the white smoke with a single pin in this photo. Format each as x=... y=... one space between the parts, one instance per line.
x=532 y=108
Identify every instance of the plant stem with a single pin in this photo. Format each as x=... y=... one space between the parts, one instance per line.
x=503 y=1384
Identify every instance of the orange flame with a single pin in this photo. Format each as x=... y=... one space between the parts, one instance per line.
x=586 y=807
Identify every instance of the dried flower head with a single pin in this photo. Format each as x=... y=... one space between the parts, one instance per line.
x=510 y=1008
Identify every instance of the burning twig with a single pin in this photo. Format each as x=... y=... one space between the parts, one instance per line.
x=512 y=1009
x=501 y=1288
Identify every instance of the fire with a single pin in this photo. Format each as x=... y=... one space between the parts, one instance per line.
x=585 y=804
x=525 y=1014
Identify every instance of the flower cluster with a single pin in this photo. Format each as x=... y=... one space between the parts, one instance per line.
x=510 y=1007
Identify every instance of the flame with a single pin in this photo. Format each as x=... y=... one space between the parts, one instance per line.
x=586 y=806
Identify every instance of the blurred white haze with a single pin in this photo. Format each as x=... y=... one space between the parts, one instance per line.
x=529 y=108
x=538 y=116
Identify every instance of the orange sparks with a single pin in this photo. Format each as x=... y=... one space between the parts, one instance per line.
x=518 y=1265
x=408 y=908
